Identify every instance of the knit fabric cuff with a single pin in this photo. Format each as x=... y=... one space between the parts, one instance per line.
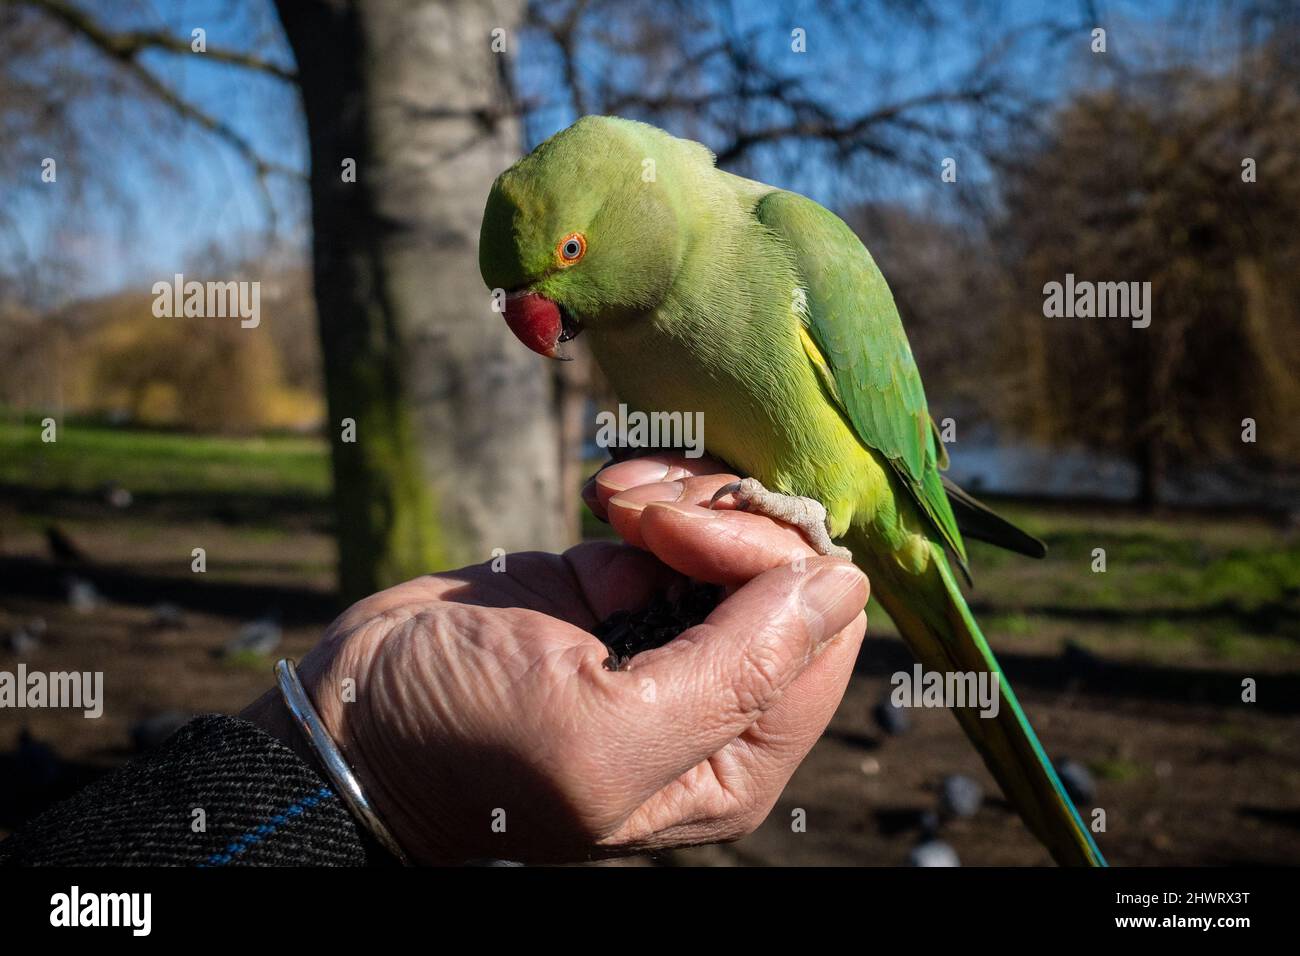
x=220 y=792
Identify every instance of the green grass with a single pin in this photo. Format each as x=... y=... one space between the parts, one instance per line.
x=1014 y=624
x=247 y=661
x=1229 y=586
x=1117 y=768
x=155 y=462
x=1182 y=587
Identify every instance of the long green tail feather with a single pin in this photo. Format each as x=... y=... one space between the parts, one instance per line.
x=934 y=620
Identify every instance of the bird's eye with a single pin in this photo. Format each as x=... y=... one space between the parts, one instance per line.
x=572 y=248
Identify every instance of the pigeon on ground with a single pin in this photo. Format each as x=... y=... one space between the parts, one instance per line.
x=960 y=797
x=256 y=637
x=21 y=642
x=83 y=596
x=115 y=496
x=933 y=853
x=1077 y=780
x=892 y=720
x=167 y=616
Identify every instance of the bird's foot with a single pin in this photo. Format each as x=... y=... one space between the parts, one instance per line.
x=806 y=514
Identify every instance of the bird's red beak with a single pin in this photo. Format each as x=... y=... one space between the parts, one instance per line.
x=539 y=323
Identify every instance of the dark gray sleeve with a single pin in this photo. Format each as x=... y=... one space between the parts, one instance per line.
x=262 y=805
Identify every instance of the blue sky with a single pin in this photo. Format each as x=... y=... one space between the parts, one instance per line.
x=159 y=192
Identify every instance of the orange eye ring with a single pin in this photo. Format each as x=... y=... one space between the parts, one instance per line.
x=570 y=250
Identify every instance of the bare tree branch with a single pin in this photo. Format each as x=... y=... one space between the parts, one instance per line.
x=707 y=69
x=129 y=44
x=125 y=49
x=565 y=34
x=851 y=132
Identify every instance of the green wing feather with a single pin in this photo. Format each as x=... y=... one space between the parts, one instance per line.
x=854 y=323
x=863 y=358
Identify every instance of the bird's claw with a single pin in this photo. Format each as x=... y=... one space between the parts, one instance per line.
x=730 y=488
x=806 y=514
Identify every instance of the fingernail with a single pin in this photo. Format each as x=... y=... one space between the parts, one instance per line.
x=645 y=494
x=638 y=471
x=830 y=598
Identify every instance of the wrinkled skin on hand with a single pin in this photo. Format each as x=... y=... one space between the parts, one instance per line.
x=481 y=699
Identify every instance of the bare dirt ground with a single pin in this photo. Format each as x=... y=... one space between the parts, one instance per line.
x=1186 y=772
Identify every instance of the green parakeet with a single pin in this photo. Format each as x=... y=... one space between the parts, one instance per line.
x=701 y=291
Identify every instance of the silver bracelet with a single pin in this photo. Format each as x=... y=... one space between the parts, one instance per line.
x=340 y=774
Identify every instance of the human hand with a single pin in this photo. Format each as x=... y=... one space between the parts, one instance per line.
x=484 y=723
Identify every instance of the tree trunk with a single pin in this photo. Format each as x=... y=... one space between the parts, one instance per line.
x=456 y=449
x=1149 y=449
x=1151 y=461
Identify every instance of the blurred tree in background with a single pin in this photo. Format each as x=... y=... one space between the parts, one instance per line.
x=112 y=357
x=457 y=451
x=1189 y=180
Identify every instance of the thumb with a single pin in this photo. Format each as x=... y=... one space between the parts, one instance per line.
x=714 y=680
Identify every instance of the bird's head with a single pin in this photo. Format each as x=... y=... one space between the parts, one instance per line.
x=584 y=231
